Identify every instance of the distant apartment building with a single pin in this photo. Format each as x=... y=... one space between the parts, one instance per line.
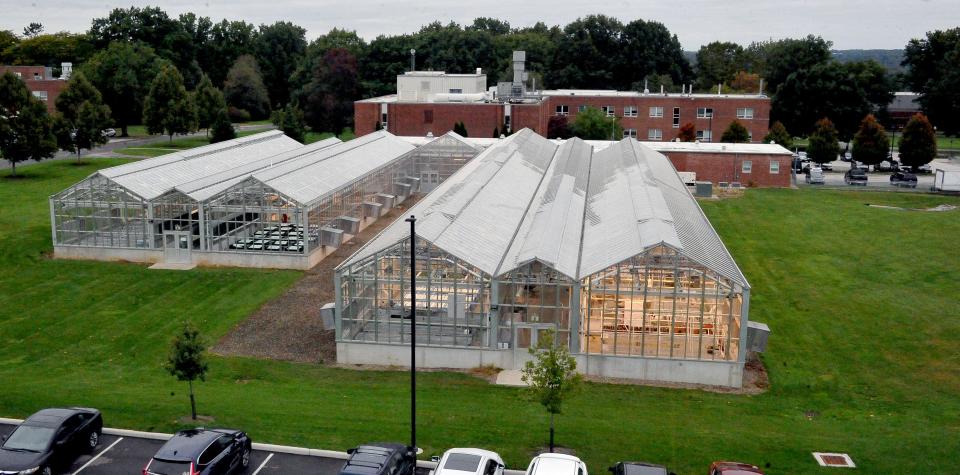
x=429 y=102
x=40 y=81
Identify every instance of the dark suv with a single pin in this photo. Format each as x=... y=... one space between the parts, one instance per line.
x=855 y=176
x=380 y=459
x=905 y=179
x=202 y=452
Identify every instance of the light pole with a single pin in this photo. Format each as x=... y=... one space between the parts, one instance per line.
x=413 y=336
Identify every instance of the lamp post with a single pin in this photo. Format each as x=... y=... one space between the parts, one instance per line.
x=413 y=336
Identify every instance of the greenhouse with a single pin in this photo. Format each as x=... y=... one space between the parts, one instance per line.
x=603 y=246
x=261 y=201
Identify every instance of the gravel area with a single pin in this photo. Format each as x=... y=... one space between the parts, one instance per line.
x=288 y=328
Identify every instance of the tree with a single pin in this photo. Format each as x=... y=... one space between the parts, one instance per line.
x=290 y=121
x=279 y=48
x=551 y=376
x=745 y=82
x=32 y=30
x=81 y=117
x=209 y=101
x=593 y=124
x=496 y=133
x=822 y=146
x=25 y=128
x=918 y=146
x=187 y=361
x=169 y=109
x=328 y=97
x=460 y=129
x=776 y=60
x=50 y=49
x=687 y=132
x=718 y=62
x=221 y=129
x=933 y=70
x=647 y=48
x=870 y=144
x=123 y=73
x=8 y=40
x=735 y=133
x=318 y=49
x=559 y=128
x=244 y=88
x=587 y=53
x=227 y=41
x=778 y=134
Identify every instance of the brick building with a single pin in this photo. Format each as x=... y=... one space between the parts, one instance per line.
x=40 y=81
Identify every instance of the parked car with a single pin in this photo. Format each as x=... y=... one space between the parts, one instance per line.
x=380 y=459
x=556 y=464
x=815 y=176
x=469 y=461
x=847 y=157
x=855 y=176
x=202 y=452
x=733 y=468
x=903 y=179
x=50 y=440
x=826 y=167
x=109 y=132
x=925 y=168
x=639 y=468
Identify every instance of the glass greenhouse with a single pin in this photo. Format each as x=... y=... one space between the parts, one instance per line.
x=606 y=247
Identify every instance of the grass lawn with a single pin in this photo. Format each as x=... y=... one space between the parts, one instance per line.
x=345 y=135
x=166 y=146
x=862 y=303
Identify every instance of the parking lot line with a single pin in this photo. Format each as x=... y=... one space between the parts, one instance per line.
x=263 y=464
x=97 y=456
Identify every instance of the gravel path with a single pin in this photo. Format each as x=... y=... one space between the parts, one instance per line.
x=288 y=328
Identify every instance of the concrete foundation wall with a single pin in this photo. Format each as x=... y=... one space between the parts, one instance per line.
x=149 y=256
x=712 y=373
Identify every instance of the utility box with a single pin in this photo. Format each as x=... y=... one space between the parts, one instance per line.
x=332 y=237
x=371 y=209
x=386 y=200
x=349 y=224
x=703 y=189
x=757 y=334
x=414 y=183
x=402 y=190
x=327 y=313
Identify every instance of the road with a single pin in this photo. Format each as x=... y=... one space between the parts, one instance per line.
x=118 y=143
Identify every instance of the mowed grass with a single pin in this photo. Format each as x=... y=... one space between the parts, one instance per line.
x=862 y=304
x=175 y=145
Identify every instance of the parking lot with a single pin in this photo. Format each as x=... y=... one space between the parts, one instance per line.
x=878 y=179
x=125 y=455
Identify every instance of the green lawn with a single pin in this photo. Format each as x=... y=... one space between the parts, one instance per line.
x=164 y=147
x=345 y=135
x=862 y=304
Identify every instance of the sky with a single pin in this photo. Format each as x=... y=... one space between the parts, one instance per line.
x=849 y=24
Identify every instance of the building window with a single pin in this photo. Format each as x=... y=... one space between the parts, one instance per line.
x=428 y=117
x=676 y=117
x=747 y=166
x=705 y=135
x=383 y=120
x=581 y=108
x=630 y=111
x=506 y=122
x=609 y=110
x=42 y=95
x=563 y=110
x=18 y=74
x=654 y=134
x=632 y=133
x=744 y=112
x=774 y=167
x=36 y=76
x=656 y=112
x=704 y=113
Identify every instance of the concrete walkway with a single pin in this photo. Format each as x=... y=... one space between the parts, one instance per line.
x=511 y=377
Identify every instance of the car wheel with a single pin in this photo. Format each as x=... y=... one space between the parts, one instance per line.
x=93 y=440
x=245 y=458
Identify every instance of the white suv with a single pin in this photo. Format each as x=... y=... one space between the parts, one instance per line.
x=556 y=464
x=469 y=462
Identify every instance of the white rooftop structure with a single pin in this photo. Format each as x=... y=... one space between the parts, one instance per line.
x=669 y=146
x=567 y=205
x=430 y=86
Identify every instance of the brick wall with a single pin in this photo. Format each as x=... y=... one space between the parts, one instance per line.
x=34 y=78
x=728 y=167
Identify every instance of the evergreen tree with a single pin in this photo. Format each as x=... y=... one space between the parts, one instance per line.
x=379 y=126
x=735 y=133
x=919 y=143
x=290 y=121
x=244 y=89
x=778 y=134
x=81 y=117
x=25 y=128
x=169 y=109
x=209 y=100
x=870 y=143
x=823 y=146
x=221 y=129
x=496 y=133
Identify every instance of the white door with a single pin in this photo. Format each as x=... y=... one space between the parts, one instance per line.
x=429 y=180
x=176 y=246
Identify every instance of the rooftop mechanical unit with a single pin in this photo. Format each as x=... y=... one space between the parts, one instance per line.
x=372 y=209
x=349 y=224
x=332 y=237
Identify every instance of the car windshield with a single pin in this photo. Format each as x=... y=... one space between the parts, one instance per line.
x=169 y=467
x=462 y=462
x=34 y=439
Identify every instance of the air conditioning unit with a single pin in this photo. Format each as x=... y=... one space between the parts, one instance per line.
x=371 y=209
x=348 y=224
x=332 y=237
x=386 y=200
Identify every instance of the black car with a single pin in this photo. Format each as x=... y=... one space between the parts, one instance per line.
x=202 y=452
x=855 y=176
x=380 y=459
x=904 y=179
x=639 y=468
x=50 y=440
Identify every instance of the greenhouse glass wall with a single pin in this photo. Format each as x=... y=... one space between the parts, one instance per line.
x=262 y=201
x=604 y=247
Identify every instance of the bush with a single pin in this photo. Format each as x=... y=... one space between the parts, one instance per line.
x=238 y=115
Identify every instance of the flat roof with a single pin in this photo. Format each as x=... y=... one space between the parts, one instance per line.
x=696 y=147
x=615 y=93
